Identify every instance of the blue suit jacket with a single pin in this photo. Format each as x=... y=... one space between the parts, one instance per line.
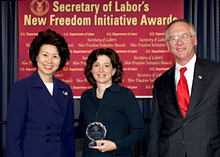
x=38 y=124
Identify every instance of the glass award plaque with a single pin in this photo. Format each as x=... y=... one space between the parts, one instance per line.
x=95 y=131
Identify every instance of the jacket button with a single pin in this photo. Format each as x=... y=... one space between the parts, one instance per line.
x=47 y=134
x=48 y=127
x=183 y=142
x=47 y=140
x=58 y=140
x=58 y=134
x=58 y=127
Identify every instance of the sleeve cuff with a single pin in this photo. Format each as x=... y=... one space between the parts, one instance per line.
x=119 y=144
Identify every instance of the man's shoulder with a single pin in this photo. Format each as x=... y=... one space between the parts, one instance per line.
x=209 y=62
x=208 y=65
x=165 y=74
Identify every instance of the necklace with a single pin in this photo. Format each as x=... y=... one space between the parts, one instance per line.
x=97 y=92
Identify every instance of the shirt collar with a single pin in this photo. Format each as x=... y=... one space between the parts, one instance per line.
x=115 y=87
x=189 y=65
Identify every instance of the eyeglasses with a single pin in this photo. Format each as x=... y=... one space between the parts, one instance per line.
x=184 y=38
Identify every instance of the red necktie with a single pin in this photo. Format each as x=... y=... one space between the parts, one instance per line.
x=183 y=92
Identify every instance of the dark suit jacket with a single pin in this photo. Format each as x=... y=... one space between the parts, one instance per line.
x=118 y=111
x=198 y=134
x=38 y=124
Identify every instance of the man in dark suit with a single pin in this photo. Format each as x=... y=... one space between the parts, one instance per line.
x=186 y=124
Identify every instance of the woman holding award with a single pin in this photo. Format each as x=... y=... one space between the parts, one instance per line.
x=108 y=109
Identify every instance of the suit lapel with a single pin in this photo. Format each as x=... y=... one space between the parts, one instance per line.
x=171 y=89
x=59 y=94
x=42 y=93
x=198 y=82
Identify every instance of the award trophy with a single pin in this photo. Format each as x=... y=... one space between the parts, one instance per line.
x=95 y=131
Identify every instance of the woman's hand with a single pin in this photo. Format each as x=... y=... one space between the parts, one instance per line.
x=104 y=146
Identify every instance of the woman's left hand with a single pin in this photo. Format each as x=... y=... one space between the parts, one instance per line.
x=104 y=146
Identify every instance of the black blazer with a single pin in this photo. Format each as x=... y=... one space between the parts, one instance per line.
x=118 y=111
x=198 y=134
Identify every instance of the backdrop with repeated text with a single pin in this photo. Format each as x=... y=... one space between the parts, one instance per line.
x=134 y=29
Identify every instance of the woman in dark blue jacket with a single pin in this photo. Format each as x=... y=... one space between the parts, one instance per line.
x=109 y=107
x=40 y=110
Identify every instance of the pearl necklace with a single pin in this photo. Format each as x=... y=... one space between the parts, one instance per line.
x=97 y=92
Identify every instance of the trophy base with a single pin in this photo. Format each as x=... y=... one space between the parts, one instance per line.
x=92 y=144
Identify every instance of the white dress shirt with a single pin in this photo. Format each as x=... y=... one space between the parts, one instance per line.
x=49 y=87
x=188 y=74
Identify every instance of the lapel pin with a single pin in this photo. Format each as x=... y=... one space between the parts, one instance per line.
x=65 y=93
x=200 y=77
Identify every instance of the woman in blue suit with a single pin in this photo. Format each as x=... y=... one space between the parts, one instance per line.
x=40 y=110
